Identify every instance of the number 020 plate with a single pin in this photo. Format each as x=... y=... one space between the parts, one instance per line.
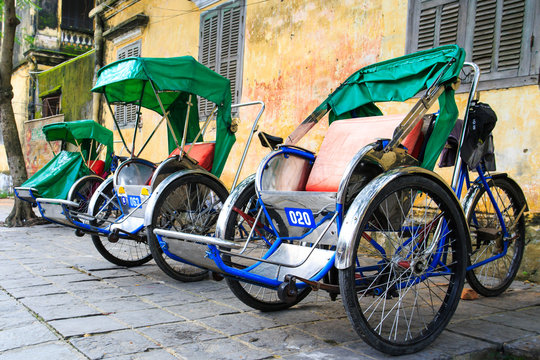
x=300 y=217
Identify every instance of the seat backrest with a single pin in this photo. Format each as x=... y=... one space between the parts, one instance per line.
x=98 y=167
x=343 y=140
x=202 y=152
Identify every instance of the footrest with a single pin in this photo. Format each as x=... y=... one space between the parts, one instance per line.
x=56 y=210
x=26 y=193
x=209 y=240
x=57 y=201
x=290 y=254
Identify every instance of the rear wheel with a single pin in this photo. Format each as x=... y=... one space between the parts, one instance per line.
x=82 y=190
x=238 y=228
x=488 y=242
x=119 y=251
x=410 y=266
x=189 y=204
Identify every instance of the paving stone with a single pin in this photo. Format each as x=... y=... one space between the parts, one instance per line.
x=173 y=298
x=56 y=351
x=292 y=316
x=129 y=303
x=75 y=309
x=516 y=319
x=70 y=278
x=30 y=282
x=514 y=300
x=335 y=331
x=468 y=310
x=37 y=291
x=30 y=334
x=235 y=324
x=87 y=325
x=220 y=349
x=283 y=340
x=335 y=352
x=113 y=273
x=147 y=355
x=145 y=289
x=54 y=271
x=488 y=331
x=180 y=333
x=113 y=344
x=14 y=316
x=146 y=317
x=49 y=300
x=202 y=310
x=527 y=348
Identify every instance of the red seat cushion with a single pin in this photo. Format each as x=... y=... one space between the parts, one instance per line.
x=413 y=141
x=202 y=152
x=98 y=167
x=343 y=140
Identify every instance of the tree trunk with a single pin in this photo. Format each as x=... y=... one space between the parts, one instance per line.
x=22 y=211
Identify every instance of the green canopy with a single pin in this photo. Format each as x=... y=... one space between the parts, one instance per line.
x=400 y=79
x=56 y=178
x=82 y=132
x=130 y=81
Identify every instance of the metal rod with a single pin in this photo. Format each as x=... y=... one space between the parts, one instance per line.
x=52 y=149
x=152 y=134
x=472 y=91
x=253 y=130
x=203 y=129
x=118 y=127
x=137 y=120
x=184 y=134
x=165 y=114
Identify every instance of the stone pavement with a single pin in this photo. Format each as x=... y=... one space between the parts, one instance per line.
x=59 y=299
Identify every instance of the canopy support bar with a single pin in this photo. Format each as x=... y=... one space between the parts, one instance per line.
x=203 y=129
x=253 y=130
x=137 y=120
x=184 y=134
x=165 y=113
x=152 y=133
x=118 y=127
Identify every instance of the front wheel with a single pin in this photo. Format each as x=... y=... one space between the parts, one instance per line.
x=409 y=268
x=120 y=251
x=499 y=254
x=82 y=190
x=188 y=204
x=239 y=226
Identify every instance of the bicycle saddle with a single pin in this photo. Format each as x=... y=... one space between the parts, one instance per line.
x=270 y=141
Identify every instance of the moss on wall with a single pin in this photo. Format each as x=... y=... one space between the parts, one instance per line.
x=75 y=78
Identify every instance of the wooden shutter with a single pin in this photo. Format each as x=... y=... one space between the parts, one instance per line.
x=126 y=115
x=220 y=48
x=438 y=24
x=208 y=54
x=484 y=33
x=513 y=13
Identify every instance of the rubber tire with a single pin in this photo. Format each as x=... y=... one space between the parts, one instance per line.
x=237 y=287
x=347 y=276
x=108 y=255
x=157 y=253
x=517 y=202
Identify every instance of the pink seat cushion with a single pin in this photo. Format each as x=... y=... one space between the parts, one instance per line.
x=202 y=152
x=342 y=141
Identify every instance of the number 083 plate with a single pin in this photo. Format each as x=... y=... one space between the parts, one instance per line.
x=300 y=217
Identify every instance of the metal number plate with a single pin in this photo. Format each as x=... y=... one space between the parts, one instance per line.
x=134 y=201
x=300 y=217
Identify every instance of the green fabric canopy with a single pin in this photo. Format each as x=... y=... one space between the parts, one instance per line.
x=55 y=179
x=82 y=132
x=400 y=79
x=130 y=81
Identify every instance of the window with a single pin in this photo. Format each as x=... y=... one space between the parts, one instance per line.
x=126 y=115
x=75 y=15
x=50 y=105
x=221 y=47
x=498 y=35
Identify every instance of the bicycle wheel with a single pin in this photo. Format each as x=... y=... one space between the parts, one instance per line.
x=488 y=241
x=189 y=204
x=122 y=252
x=238 y=228
x=82 y=190
x=410 y=266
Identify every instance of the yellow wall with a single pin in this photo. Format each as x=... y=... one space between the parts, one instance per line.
x=296 y=52
x=20 y=83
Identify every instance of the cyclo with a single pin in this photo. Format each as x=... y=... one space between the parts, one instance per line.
x=170 y=87
x=71 y=175
x=367 y=220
